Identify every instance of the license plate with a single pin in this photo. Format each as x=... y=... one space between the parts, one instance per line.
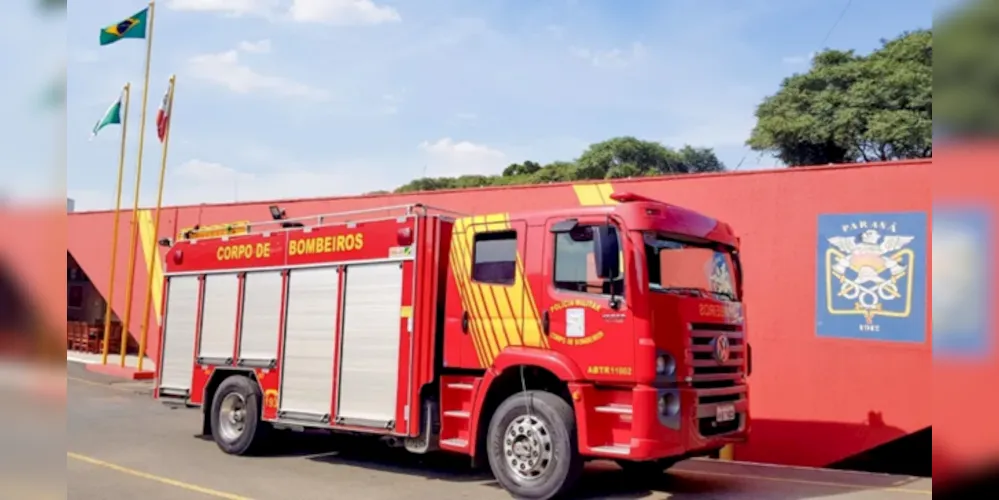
x=724 y=413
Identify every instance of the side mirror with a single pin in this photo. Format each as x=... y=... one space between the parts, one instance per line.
x=607 y=252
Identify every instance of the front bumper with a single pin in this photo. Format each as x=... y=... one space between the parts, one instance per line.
x=629 y=423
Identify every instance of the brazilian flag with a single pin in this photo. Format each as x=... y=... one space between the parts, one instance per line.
x=133 y=27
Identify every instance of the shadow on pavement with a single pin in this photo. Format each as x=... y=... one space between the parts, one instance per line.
x=690 y=480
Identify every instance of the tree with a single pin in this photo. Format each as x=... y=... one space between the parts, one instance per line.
x=559 y=171
x=849 y=108
x=700 y=160
x=426 y=184
x=966 y=75
x=617 y=158
x=526 y=168
x=630 y=157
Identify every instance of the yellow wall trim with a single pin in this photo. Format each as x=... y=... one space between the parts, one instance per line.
x=591 y=195
x=151 y=253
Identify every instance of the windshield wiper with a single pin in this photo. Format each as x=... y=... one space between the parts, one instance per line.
x=693 y=292
x=682 y=290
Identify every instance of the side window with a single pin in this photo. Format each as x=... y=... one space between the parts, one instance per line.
x=494 y=259
x=575 y=264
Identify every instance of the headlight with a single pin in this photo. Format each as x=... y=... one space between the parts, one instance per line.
x=665 y=365
x=669 y=404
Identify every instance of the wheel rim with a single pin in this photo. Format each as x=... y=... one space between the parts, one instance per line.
x=232 y=416
x=527 y=448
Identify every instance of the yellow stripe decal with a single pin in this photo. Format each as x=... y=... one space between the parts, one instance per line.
x=456 y=266
x=501 y=316
x=504 y=321
x=459 y=247
x=459 y=268
x=151 y=253
x=531 y=317
x=497 y=341
x=463 y=296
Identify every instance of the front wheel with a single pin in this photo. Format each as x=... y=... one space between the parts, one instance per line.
x=532 y=446
x=235 y=418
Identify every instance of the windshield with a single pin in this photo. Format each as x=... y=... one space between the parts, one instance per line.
x=690 y=269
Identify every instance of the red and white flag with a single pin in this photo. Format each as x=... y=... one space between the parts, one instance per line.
x=163 y=116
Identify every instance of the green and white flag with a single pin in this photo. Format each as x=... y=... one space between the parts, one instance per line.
x=111 y=117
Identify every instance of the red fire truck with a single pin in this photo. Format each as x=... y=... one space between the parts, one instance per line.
x=532 y=342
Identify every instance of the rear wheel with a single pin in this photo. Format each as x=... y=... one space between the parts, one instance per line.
x=532 y=446
x=235 y=418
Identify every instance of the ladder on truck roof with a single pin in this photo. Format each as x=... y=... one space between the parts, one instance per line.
x=279 y=222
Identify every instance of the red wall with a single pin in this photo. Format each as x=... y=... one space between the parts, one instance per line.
x=814 y=400
x=964 y=381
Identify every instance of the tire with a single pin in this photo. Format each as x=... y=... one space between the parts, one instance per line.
x=242 y=434
x=555 y=467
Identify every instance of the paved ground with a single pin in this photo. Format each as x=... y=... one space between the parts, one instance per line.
x=121 y=444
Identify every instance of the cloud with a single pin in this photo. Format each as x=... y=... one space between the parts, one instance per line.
x=226 y=70
x=204 y=181
x=391 y=104
x=259 y=47
x=612 y=58
x=333 y=12
x=239 y=178
x=445 y=157
x=228 y=7
x=85 y=56
x=202 y=171
x=342 y=12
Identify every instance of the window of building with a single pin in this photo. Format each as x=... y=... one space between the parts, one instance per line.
x=494 y=259
x=575 y=264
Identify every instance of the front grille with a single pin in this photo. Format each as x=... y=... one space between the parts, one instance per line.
x=717 y=383
x=708 y=372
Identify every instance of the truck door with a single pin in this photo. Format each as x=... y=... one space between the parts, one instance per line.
x=486 y=290
x=587 y=317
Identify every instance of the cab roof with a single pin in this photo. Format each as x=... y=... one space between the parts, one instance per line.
x=644 y=214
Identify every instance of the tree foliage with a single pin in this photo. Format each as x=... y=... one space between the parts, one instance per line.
x=617 y=158
x=849 y=108
x=624 y=157
x=966 y=75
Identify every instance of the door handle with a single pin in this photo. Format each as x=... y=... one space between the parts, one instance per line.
x=545 y=322
x=464 y=322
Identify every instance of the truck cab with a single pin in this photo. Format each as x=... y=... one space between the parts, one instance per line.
x=630 y=312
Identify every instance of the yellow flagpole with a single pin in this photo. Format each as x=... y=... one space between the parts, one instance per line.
x=117 y=217
x=138 y=184
x=156 y=221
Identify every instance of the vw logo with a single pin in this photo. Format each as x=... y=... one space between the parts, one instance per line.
x=722 y=349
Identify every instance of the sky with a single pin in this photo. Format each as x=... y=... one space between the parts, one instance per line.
x=301 y=98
